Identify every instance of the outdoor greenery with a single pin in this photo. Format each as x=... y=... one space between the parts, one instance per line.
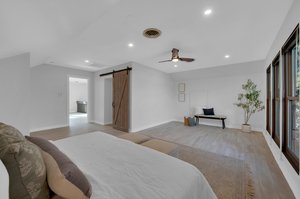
x=249 y=100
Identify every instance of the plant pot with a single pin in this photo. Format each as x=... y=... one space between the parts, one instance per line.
x=246 y=128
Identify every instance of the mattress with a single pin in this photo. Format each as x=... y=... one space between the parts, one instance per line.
x=120 y=169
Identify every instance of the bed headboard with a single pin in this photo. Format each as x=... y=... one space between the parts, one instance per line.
x=4 y=181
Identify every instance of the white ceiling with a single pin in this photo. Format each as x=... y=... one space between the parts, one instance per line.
x=67 y=32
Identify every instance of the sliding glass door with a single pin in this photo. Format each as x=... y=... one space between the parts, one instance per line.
x=291 y=99
x=276 y=101
x=268 y=103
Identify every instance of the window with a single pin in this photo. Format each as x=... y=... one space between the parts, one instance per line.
x=291 y=108
x=276 y=100
x=268 y=103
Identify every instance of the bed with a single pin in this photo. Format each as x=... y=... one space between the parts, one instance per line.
x=119 y=169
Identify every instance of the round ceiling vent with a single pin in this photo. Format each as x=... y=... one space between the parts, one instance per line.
x=152 y=33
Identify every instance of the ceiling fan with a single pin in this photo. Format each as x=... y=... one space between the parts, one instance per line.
x=175 y=57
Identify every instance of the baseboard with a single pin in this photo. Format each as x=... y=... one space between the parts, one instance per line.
x=288 y=171
x=149 y=126
x=101 y=123
x=49 y=127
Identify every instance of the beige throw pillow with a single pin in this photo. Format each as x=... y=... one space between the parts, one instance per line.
x=57 y=181
x=71 y=172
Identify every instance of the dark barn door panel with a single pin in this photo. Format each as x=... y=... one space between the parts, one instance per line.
x=121 y=100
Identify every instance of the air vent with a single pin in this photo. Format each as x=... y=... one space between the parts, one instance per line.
x=152 y=33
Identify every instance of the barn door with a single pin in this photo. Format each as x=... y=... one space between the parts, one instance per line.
x=121 y=100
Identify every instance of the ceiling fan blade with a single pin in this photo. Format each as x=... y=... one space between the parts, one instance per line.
x=164 y=61
x=187 y=59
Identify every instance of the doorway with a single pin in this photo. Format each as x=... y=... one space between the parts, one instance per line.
x=78 y=101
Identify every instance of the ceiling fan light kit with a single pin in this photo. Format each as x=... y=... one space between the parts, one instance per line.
x=175 y=57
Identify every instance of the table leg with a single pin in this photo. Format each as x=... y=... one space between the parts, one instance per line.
x=223 y=123
x=197 y=121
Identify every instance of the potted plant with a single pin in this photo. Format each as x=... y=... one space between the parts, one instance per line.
x=249 y=101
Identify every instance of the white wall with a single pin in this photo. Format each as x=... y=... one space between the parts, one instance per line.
x=99 y=99
x=78 y=91
x=218 y=87
x=108 y=101
x=49 y=96
x=289 y=24
x=151 y=96
x=15 y=91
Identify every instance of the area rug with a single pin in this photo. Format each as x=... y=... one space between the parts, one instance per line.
x=230 y=178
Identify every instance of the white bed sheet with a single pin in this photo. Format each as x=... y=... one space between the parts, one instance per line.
x=119 y=169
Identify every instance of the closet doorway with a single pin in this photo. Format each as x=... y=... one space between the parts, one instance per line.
x=120 y=97
x=108 y=100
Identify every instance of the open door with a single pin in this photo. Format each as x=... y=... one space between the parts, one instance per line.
x=121 y=100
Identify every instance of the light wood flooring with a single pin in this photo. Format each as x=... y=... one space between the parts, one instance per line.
x=252 y=148
x=60 y=133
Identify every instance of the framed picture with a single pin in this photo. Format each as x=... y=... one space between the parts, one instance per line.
x=181 y=97
x=181 y=87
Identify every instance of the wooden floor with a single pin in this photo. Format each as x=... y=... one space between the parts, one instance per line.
x=252 y=148
x=60 y=133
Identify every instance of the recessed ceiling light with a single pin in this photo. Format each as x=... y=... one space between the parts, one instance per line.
x=87 y=61
x=130 y=45
x=207 y=12
x=175 y=66
x=227 y=56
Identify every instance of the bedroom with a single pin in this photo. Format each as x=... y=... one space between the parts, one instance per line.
x=42 y=43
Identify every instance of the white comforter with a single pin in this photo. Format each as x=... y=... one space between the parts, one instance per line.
x=119 y=169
